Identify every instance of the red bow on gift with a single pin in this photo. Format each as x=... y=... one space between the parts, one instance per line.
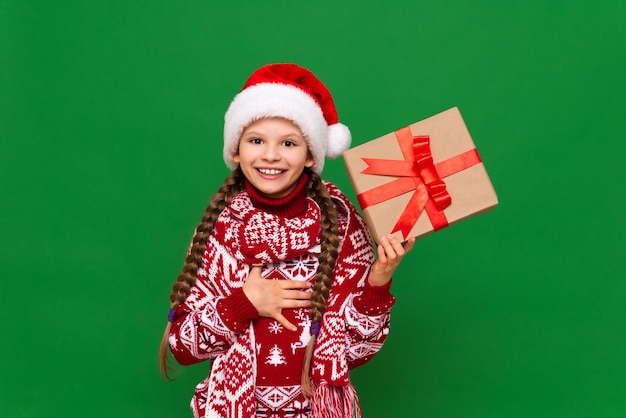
x=417 y=172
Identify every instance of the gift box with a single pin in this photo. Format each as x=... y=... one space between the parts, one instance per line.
x=420 y=178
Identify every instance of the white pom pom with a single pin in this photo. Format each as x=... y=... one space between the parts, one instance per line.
x=339 y=139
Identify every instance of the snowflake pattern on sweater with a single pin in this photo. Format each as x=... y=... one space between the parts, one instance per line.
x=255 y=362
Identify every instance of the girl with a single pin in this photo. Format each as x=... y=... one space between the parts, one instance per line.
x=281 y=289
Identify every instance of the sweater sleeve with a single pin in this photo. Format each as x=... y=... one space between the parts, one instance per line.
x=367 y=309
x=367 y=318
x=375 y=300
x=209 y=321
x=237 y=311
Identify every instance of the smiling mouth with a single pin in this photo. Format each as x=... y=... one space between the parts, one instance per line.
x=270 y=171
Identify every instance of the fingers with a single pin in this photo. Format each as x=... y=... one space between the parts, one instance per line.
x=297 y=295
x=284 y=322
x=270 y=297
x=255 y=273
x=389 y=249
x=390 y=253
x=293 y=284
x=408 y=245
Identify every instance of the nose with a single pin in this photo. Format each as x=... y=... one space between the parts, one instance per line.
x=271 y=153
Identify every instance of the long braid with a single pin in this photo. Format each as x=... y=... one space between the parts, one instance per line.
x=232 y=185
x=327 y=258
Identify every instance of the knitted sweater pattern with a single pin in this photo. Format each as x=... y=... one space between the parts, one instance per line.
x=217 y=321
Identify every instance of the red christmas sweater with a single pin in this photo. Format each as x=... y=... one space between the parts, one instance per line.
x=256 y=362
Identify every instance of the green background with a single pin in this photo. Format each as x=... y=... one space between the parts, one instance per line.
x=111 y=115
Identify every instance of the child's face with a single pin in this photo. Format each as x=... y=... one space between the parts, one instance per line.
x=272 y=155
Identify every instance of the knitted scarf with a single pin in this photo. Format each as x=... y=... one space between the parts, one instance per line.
x=255 y=236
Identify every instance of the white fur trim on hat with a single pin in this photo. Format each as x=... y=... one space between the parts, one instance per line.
x=282 y=100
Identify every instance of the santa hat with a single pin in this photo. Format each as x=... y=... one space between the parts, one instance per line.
x=294 y=93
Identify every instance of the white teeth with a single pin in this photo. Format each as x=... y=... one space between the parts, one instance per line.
x=269 y=171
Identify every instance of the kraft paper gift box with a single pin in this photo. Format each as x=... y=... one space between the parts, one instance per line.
x=420 y=178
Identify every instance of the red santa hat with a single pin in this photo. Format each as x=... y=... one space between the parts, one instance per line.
x=294 y=93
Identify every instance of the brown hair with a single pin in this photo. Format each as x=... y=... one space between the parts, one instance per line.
x=327 y=258
x=232 y=185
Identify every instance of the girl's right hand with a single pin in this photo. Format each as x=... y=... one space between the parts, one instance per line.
x=270 y=297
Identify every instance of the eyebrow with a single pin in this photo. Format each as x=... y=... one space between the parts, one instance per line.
x=289 y=135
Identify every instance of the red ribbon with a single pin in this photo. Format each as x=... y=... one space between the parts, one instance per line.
x=417 y=172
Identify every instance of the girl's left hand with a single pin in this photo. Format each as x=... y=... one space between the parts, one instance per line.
x=390 y=252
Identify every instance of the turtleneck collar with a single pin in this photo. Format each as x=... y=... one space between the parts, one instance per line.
x=289 y=206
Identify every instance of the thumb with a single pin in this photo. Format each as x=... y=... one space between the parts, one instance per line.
x=255 y=270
